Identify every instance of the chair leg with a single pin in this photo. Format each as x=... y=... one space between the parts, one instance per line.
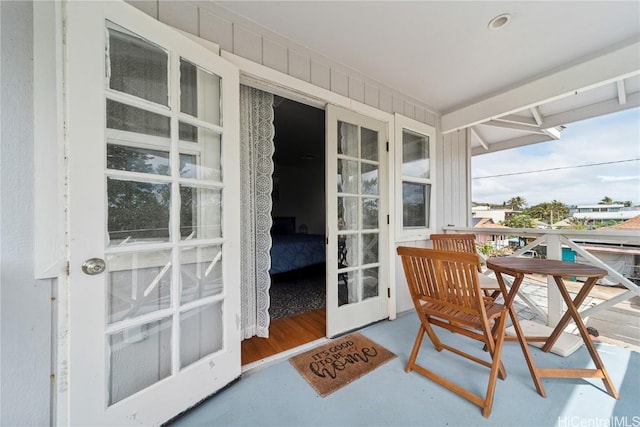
x=416 y=349
x=496 y=366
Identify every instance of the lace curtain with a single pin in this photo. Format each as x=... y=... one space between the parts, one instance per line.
x=256 y=168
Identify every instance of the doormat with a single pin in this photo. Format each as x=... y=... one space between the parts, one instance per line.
x=343 y=360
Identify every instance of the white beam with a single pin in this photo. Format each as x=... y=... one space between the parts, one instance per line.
x=510 y=125
x=608 y=68
x=479 y=137
x=622 y=95
x=535 y=112
x=590 y=111
x=520 y=120
x=511 y=143
x=553 y=133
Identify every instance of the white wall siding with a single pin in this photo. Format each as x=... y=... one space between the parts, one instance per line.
x=299 y=66
x=275 y=56
x=243 y=38
x=453 y=197
x=182 y=15
x=25 y=303
x=403 y=298
x=150 y=7
x=214 y=27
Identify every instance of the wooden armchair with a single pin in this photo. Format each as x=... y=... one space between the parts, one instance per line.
x=466 y=243
x=445 y=292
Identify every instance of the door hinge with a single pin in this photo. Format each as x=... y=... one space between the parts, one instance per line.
x=388 y=292
x=388 y=220
x=67 y=269
x=387 y=146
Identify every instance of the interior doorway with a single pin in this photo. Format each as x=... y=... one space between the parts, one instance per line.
x=298 y=252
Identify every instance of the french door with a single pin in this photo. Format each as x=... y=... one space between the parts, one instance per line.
x=357 y=227
x=153 y=231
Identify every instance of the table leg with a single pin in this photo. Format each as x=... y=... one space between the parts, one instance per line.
x=509 y=297
x=573 y=312
x=586 y=288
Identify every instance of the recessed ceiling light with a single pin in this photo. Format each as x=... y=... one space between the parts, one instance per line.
x=499 y=21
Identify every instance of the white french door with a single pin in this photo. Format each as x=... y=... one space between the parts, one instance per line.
x=357 y=227
x=153 y=231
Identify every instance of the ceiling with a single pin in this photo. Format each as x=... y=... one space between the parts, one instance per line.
x=555 y=62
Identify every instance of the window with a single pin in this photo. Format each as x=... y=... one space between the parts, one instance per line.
x=415 y=175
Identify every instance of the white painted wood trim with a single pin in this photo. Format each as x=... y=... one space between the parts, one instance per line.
x=207 y=44
x=590 y=111
x=608 y=68
x=402 y=235
x=48 y=140
x=279 y=83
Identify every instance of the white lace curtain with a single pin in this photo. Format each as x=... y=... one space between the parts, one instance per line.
x=256 y=152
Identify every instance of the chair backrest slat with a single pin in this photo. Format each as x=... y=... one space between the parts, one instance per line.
x=447 y=278
x=456 y=243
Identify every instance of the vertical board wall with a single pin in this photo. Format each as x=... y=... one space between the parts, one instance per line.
x=453 y=202
x=241 y=37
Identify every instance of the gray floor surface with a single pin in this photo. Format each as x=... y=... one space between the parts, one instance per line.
x=277 y=395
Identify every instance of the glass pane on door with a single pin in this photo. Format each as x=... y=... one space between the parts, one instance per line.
x=138 y=283
x=165 y=189
x=199 y=93
x=137 y=66
x=201 y=333
x=139 y=356
x=358 y=198
x=133 y=119
x=137 y=211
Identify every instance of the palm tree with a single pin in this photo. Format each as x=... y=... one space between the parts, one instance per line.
x=553 y=210
x=606 y=201
x=578 y=223
x=516 y=203
x=519 y=221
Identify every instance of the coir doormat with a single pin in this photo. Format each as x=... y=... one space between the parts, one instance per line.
x=343 y=360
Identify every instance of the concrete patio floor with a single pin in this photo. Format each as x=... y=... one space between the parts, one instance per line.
x=274 y=394
x=618 y=325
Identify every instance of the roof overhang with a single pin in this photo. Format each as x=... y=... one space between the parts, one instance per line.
x=537 y=111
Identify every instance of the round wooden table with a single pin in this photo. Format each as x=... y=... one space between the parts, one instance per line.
x=518 y=267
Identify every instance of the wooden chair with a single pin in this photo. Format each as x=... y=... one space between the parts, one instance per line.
x=445 y=291
x=466 y=243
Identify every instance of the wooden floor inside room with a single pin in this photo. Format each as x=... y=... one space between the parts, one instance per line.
x=285 y=334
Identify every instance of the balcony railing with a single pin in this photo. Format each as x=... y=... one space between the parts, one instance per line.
x=555 y=240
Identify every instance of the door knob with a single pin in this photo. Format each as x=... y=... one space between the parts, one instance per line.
x=93 y=266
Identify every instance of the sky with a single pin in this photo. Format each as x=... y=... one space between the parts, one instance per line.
x=610 y=138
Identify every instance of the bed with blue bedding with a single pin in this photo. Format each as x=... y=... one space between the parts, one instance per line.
x=292 y=251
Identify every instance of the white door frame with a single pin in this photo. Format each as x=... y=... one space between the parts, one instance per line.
x=278 y=83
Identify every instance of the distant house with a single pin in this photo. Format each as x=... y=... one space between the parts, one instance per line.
x=602 y=213
x=630 y=224
x=493 y=230
x=623 y=258
x=497 y=215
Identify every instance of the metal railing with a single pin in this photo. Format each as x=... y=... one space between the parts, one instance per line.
x=555 y=240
